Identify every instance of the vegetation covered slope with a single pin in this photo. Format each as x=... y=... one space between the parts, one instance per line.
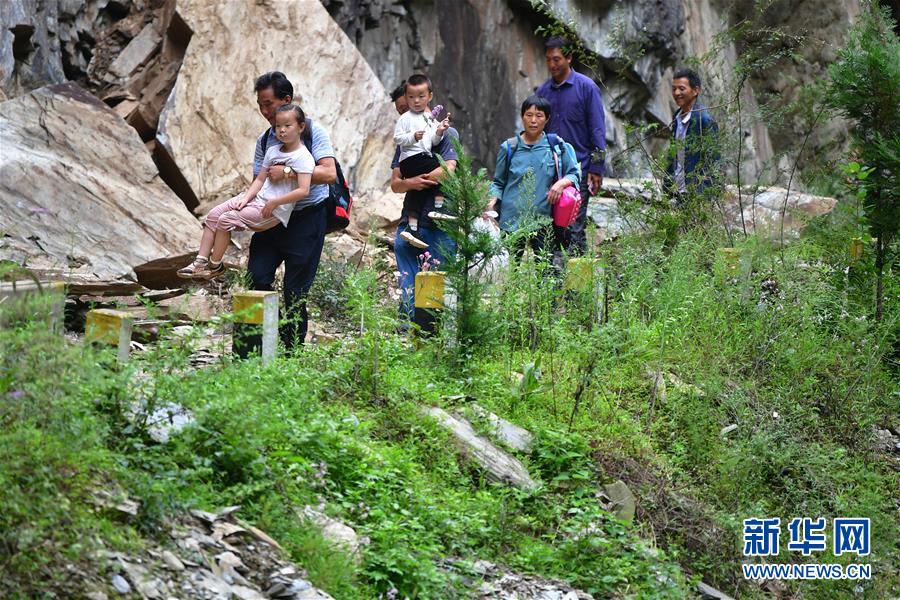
x=788 y=352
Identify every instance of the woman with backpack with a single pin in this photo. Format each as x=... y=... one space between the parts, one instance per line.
x=525 y=207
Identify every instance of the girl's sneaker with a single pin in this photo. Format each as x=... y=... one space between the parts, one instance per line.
x=202 y=269
x=412 y=240
x=212 y=271
x=188 y=272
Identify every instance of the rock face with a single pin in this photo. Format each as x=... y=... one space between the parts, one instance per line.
x=88 y=41
x=483 y=58
x=211 y=121
x=79 y=191
x=483 y=87
x=36 y=37
x=826 y=23
x=642 y=91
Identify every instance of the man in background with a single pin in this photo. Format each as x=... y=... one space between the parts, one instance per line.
x=577 y=109
x=693 y=164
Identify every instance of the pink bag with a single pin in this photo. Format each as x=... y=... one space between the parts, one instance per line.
x=565 y=211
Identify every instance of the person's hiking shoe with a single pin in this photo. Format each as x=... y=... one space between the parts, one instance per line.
x=210 y=271
x=201 y=269
x=440 y=216
x=412 y=240
x=188 y=272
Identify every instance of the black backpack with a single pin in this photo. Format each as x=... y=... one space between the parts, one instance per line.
x=339 y=200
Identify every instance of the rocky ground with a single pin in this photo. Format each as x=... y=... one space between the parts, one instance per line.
x=217 y=556
x=199 y=555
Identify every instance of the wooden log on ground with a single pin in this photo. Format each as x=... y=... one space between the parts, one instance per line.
x=498 y=466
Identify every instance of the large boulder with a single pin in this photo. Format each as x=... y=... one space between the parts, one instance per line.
x=498 y=466
x=211 y=121
x=762 y=208
x=79 y=192
x=378 y=211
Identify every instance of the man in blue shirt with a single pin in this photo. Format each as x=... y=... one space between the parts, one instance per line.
x=577 y=110
x=299 y=245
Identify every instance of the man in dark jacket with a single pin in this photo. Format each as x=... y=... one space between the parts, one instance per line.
x=693 y=165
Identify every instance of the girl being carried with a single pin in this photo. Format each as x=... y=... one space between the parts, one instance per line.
x=265 y=204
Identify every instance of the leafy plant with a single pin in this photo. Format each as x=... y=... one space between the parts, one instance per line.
x=328 y=293
x=562 y=457
x=374 y=319
x=863 y=89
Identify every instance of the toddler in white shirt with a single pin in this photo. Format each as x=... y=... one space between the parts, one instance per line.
x=417 y=133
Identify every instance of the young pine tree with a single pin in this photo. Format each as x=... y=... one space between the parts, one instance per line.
x=467 y=196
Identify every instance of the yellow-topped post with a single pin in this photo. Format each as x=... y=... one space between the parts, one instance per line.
x=856 y=248
x=258 y=308
x=731 y=260
x=584 y=276
x=430 y=289
x=735 y=265
x=58 y=308
x=110 y=327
